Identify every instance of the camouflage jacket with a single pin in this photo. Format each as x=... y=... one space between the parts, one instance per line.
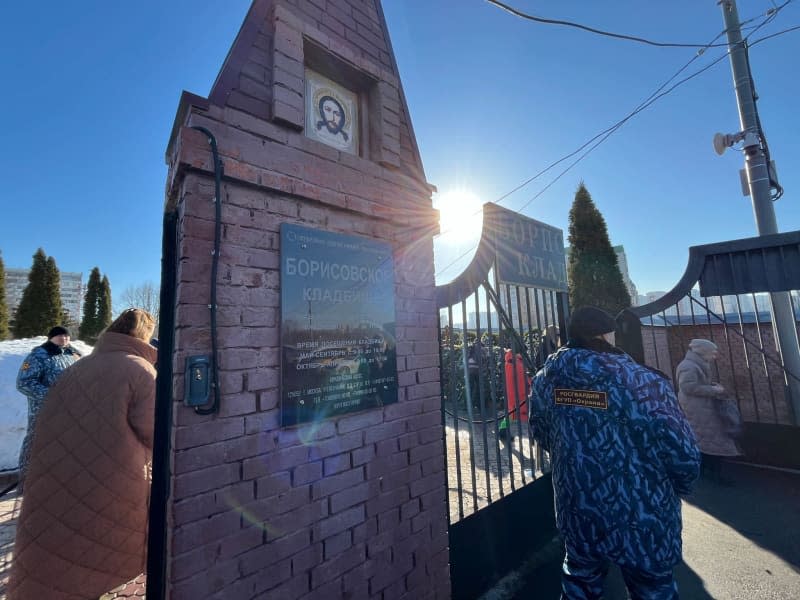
x=42 y=367
x=622 y=453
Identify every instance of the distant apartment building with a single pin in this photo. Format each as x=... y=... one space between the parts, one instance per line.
x=684 y=306
x=649 y=297
x=71 y=291
x=483 y=319
x=719 y=305
x=531 y=309
x=622 y=261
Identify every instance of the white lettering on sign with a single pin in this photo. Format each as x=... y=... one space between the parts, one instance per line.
x=582 y=398
x=532 y=235
x=304 y=267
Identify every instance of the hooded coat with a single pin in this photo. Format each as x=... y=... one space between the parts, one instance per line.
x=83 y=524
x=622 y=454
x=700 y=401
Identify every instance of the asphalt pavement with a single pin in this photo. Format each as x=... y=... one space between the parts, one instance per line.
x=741 y=540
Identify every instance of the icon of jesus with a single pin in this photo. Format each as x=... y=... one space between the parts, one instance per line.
x=332 y=116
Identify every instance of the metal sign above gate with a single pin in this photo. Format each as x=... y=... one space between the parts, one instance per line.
x=527 y=252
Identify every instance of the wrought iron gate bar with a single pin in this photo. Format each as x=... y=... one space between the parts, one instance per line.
x=484 y=408
x=474 y=406
x=747 y=358
x=730 y=275
x=482 y=394
x=730 y=354
x=514 y=364
x=504 y=318
x=497 y=391
x=452 y=396
x=514 y=382
x=468 y=403
x=776 y=361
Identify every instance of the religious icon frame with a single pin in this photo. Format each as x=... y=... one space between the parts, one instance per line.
x=323 y=98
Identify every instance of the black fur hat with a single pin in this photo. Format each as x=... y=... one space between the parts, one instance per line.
x=588 y=322
x=57 y=330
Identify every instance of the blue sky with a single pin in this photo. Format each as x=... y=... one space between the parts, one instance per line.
x=91 y=88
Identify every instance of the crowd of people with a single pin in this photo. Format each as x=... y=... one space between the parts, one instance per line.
x=85 y=464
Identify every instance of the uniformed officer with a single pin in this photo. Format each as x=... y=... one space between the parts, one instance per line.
x=622 y=455
x=38 y=372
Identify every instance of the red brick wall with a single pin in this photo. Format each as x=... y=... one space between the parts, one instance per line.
x=757 y=382
x=351 y=507
x=263 y=75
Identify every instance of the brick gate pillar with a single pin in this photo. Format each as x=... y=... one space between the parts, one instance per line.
x=348 y=506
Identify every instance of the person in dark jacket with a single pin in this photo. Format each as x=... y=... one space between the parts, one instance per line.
x=38 y=372
x=547 y=345
x=622 y=455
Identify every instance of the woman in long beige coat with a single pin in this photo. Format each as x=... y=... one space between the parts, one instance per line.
x=83 y=525
x=700 y=399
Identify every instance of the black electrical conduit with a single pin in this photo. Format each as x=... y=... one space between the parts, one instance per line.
x=162 y=433
x=214 y=382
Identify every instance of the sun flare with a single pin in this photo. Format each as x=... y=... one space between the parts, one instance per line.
x=460 y=215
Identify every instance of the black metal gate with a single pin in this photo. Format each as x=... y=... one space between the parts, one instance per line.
x=725 y=296
x=493 y=337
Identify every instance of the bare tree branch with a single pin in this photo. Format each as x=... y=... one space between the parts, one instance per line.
x=144 y=296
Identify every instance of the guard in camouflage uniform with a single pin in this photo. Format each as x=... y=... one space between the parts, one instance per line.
x=622 y=455
x=38 y=372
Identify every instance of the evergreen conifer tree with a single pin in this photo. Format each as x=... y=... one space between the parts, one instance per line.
x=40 y=306
x=54 y=307
x=4 y=331
x=593 y=271
x=104 y=305
x=90 y=328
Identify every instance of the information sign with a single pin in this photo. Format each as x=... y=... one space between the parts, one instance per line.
x=528 y=252
x=339 y=352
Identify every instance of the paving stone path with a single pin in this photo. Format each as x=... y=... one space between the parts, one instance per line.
x=9 y=513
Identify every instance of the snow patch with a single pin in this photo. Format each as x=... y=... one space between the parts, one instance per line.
x=14 y=405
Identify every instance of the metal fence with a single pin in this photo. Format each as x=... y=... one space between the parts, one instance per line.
x=726 y=295
x=749 y=365
x=491 y=342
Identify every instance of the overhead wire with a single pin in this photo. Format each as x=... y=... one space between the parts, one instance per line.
x=776 y=34
x=769 y=17
x=613 y=129
x=632 y=38
x=771 y=14
x=563 y=158
x=603 y=135
x=615 y=126
x=606 y=133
